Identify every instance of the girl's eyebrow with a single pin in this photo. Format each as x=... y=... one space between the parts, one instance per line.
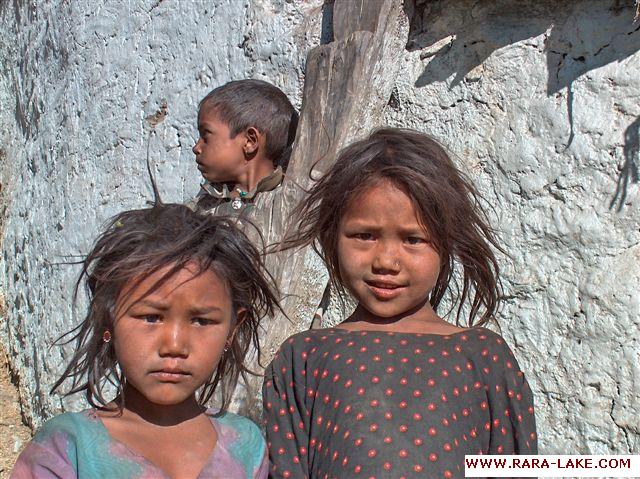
x=359 y=222
x=206 y=310
x=152 y=304
x=163 y=306
x=373 y=224
x=414 y=230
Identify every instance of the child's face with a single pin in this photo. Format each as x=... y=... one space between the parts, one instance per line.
x=220 y=158
x=169 y=342
x=386 y=259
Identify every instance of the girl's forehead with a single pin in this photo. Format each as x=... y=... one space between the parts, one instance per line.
x=166 y=279
x=384 y=197
x=378 y=191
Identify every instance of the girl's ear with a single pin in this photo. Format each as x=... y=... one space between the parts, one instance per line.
x=252 y=141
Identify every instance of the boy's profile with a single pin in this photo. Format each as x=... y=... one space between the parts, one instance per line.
x=246 y=130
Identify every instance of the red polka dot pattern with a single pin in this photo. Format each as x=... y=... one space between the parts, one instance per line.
x=359 y=404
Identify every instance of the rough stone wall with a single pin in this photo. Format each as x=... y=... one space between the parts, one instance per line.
x=80 y=89
x=538 y=100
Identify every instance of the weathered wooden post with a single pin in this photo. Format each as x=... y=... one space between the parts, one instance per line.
x=348 y=83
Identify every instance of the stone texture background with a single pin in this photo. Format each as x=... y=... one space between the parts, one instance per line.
x=538 y=100
x=78 y=82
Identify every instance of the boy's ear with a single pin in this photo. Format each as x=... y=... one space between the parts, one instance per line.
x=252 y=141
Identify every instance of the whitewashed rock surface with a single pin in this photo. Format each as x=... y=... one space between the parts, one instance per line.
x=538 y=100
x=491 y=81
x=78 y=80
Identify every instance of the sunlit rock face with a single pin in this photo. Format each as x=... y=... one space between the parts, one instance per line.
x=538 y=101
x=540 y=104
x=81 y=88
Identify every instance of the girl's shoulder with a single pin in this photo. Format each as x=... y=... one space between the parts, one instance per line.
x=483 y=338
x=70 y=424
x=305 y=340
x=490 y=346
x=241 y=426
x=70 y=445
x=241 y=437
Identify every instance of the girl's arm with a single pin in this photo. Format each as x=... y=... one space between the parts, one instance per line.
x=513 y=424
x=43 y=459
x=286 y=417
x=263 y=471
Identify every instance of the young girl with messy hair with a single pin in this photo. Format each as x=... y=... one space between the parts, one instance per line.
x=175 y=300
x=395 y=390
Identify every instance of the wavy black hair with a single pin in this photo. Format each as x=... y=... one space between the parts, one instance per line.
x=136 y=244
x=448 y=205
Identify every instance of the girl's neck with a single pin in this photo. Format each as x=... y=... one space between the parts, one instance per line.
x=137 y=407
x=422 y=319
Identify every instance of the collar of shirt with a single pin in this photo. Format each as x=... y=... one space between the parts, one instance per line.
x=268 y=183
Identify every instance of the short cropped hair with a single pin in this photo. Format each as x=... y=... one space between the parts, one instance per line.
x=255 y=103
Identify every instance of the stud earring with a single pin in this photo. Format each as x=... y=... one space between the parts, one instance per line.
x=106 y=336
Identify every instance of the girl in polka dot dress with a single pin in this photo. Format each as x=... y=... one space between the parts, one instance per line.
x=395 y=391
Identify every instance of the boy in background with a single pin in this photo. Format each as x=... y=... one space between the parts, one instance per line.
x=246 y=131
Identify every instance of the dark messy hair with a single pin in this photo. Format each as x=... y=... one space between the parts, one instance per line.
x=138 y=243
x=447 y=203
x=255 y=103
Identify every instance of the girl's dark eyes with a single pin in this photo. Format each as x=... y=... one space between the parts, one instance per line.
x=416 y=240
x=362 y=236
x=411 y=240
x=156 y=318
x=203 y=321
x=150 y=318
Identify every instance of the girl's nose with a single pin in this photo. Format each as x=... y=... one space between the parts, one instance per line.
x=196 y=148
x=175 y=341
x=386 y=259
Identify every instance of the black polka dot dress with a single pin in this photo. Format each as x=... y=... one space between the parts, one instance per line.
x=363 y=404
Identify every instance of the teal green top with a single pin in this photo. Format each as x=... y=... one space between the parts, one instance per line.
x=77 y=445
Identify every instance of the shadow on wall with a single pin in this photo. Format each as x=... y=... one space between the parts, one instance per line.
x=458 y=36
x=630 y=169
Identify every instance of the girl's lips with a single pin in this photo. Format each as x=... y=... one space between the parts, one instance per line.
x=170 y=376
x=385 y=291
